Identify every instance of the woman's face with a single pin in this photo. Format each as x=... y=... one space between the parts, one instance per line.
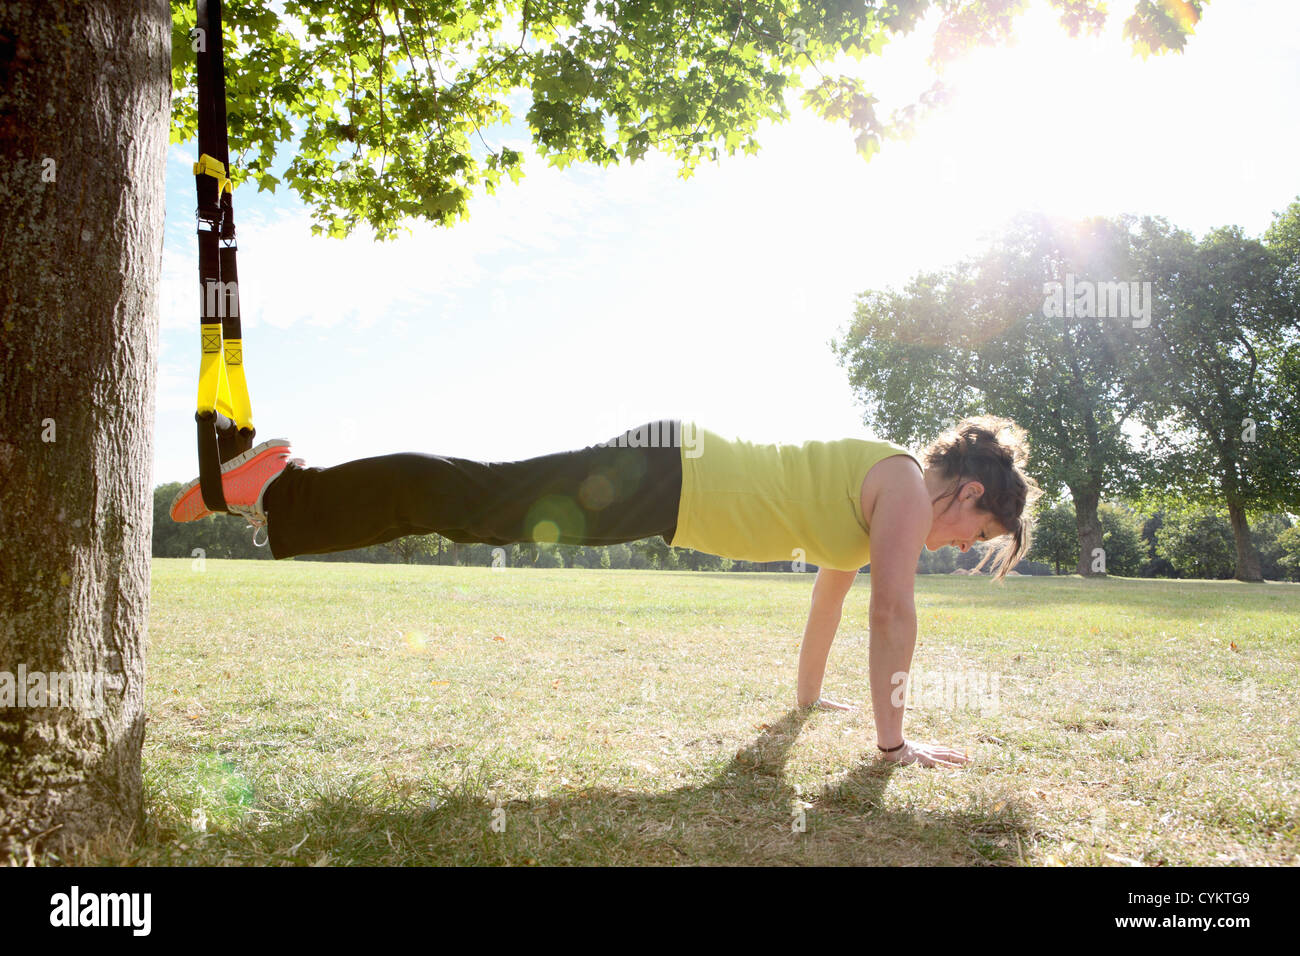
x=960 y=524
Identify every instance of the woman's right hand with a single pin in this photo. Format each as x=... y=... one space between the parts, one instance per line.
x=928 y=755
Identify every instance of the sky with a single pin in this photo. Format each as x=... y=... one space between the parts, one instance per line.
x=584 y=301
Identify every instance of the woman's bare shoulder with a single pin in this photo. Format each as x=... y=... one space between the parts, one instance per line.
x=898 y=478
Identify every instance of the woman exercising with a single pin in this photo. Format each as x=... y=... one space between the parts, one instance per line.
x=836 y=504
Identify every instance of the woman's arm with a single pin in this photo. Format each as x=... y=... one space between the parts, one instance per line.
x=828 y=595
x=900 y=521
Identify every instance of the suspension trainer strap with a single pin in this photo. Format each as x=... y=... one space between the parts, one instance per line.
x=224 y=414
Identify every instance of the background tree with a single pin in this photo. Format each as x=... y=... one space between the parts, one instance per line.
x=1197 y=542
x=1056 y=538
x=943 y=561
x=1266 y=532
x=1289 y=547
x=548 y=556
x=1205 y=373
x=1122 y=539
x=412 y=546
x=984 y=337
x=656 y=552
x=1280 y=386
x=1156 y=565
x=379 y=105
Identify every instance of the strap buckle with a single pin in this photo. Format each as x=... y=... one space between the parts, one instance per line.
x=210 y=166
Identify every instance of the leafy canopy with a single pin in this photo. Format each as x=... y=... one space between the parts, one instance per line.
x=390 y=104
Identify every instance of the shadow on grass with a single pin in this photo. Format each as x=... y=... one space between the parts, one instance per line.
x=747 y=814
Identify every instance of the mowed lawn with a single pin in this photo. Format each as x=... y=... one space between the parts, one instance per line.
x=306 y=713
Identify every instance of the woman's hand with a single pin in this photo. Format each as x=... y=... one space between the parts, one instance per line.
x=928 y=755
x=821 y=703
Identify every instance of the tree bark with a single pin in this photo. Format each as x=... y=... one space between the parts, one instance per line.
x=1248 y=566
x=1089 y=525
x=85 y=93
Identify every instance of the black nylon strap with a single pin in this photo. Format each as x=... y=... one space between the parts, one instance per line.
x=219 y=438
x=211 y=83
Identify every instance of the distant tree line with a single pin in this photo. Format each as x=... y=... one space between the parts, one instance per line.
x=1147 y=366
x=1189 y=543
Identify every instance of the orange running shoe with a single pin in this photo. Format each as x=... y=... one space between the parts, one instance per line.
x=244 y=480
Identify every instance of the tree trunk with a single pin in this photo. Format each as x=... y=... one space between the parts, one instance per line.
x=1089 y=525
x=1248 y=567
x=85 y=93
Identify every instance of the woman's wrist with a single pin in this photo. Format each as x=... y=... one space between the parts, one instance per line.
x=890 y=750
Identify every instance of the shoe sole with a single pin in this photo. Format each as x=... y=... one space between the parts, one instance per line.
x=192 y=491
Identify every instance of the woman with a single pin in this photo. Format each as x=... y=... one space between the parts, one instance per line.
x=837 y=504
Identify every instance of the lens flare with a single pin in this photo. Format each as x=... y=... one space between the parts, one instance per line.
x=225 y=793
x=596 y=492
x=555 y=518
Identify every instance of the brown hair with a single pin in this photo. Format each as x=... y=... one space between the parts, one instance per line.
x=992 y=451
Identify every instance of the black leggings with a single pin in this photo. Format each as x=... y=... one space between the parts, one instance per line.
x=608 y=493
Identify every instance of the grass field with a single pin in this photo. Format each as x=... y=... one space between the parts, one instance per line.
x=311 y=713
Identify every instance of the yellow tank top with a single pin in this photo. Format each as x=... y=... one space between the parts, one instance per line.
x=775 y=502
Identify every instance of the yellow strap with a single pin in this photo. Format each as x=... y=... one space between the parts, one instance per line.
x=209 y=166
x=222 y=386
x=241 y=407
